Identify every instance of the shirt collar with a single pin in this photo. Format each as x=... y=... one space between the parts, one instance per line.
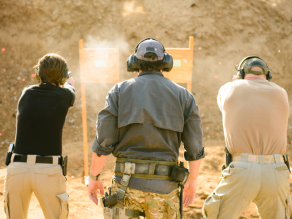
x=151 y=72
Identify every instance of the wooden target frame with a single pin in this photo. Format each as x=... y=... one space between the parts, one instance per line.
x=97 y=65
x=182 y=71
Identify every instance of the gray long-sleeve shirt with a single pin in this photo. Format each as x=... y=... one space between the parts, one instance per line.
x=147 y=118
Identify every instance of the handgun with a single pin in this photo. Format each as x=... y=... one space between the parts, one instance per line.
x=9 y=154
x=64 y=165
x=110 y=201
x=227 y=157
x=287 y=162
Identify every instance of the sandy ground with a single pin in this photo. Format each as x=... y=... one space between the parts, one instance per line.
x=82 y=207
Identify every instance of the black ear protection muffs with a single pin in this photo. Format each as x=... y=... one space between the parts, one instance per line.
x=63 y=80
x=133 y=60
x=241 y=71
x=132 y=63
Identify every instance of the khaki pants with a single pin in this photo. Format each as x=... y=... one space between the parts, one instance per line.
x=155 y=205
x=267 y=184
x=45 y=180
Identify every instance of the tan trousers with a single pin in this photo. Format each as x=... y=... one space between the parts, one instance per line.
x=45 y=180
x=267 y=184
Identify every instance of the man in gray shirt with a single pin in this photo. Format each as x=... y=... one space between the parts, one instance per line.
x=143 y=123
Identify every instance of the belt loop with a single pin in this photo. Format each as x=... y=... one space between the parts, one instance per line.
x=243 y=157
x=31 y=159
x=122 y=167
x=115 y=165
x=12 y=158
x=152 y=168
x=261 y=158
x=277 y=158
x=55 y=160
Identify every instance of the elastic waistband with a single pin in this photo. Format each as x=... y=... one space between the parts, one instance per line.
x=275 y=158
x=33 y=159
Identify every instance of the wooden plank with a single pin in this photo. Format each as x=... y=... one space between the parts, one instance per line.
x=99 y=65
x=183 y=64
x=84 y=127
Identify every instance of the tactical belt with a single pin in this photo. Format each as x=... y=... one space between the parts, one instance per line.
x=257 y=158
x=143 y=169
x=39 y=159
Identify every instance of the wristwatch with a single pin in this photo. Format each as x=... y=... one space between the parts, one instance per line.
x=94 y=177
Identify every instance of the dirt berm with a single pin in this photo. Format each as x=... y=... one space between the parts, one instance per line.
x=225 y=31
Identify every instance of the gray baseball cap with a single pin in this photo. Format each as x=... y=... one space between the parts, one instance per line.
x=150 y=46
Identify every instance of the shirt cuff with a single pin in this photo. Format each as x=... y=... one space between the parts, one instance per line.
x=99 y=150
x=196 y=156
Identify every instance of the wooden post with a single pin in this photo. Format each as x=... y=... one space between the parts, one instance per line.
x=84 y=126
x=117 y=80
x=191 y=42
x=94 y=62
x=182 y=64
x=191 y=45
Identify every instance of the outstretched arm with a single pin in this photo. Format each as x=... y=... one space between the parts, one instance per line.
x=96 y=167
x=191 y=184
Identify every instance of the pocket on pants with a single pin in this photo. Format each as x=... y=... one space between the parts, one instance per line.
x=211 y=206
x=49 y=179
x=15 y=170
x=64 y=206
x=172 y=209
x=6 y=205
x=14 y=179
x=288 y=207
x=235 y=167
x=282 y=170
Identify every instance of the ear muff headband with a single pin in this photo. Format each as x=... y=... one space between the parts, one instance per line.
x=241 y=70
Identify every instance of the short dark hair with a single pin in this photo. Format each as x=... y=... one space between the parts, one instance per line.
x=150 y=66
x=51 y=68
